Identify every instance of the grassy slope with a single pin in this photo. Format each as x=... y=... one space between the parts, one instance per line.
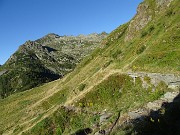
x=160 y=42
x=155 y=51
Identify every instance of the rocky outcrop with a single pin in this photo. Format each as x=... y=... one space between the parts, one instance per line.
x=141 y=19
x=145 y=13
x=163 y=3
x=167 y=97
x=152 y=106
x=171 y=80
x=104 y=117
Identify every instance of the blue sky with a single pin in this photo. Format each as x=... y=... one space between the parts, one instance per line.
x=22 y=20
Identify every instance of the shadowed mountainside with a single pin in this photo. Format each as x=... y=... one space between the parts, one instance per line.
x=44 y=60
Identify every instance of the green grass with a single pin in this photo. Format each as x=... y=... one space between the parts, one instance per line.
x=119 y=92
x=15 y=107
x=63 y=121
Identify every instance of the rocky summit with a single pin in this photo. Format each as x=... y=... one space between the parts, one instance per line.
x=46 y=59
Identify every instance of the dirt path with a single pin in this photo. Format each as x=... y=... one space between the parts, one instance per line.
x=156 y=78
x=54 y=90
x=68 y=102
x=50 y=111
x=54 y=108
x=49 y=93
x=83 y=93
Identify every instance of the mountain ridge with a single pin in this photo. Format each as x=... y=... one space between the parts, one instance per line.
x=44 y=60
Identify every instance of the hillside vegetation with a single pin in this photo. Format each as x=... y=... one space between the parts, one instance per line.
x=125 y=74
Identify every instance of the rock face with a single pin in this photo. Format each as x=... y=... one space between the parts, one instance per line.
x=174 y=85
x=104 y=116
x=46 y=59
x=145 y=13
x=155 y=105
x=140 y=21
x=134 y=114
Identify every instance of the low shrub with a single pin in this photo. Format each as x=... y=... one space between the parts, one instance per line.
x=141 y=49
x=82 y=86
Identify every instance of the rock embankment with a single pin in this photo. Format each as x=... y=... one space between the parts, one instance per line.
x=173 y=81
x=153 y=106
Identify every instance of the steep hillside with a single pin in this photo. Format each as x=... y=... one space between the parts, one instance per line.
x=45 y=60
x=128 y=86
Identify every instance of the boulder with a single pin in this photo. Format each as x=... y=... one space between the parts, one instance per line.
x=104 y=116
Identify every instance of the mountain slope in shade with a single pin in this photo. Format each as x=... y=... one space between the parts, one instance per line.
x=45 y=60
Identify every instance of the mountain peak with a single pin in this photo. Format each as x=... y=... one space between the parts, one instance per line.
x=52 y=35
